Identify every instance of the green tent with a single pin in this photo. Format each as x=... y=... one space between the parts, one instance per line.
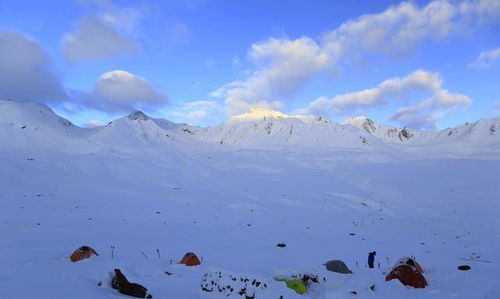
x=295 y=284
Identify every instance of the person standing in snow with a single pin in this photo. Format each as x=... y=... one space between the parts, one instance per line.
x=371 y=259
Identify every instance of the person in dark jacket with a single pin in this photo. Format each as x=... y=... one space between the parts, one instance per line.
x=371 y=259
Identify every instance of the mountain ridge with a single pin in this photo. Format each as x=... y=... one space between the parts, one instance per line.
x=259 y=128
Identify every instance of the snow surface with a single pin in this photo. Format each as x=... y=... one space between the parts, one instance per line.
x=141 y=184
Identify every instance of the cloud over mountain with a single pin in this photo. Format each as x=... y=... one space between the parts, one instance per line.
x=399 y=91
x=121 y=91
x=286 y=65
x=25 y=70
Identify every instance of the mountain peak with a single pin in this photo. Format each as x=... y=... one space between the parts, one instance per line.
x=137 y=115
x=29 y=112
x=259 y=113
x=358 y=120
x=362 y=122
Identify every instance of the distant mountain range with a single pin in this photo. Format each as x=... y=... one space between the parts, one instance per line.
x=28 y=123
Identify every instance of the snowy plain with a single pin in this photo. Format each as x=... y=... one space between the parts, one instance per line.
x=230 y=193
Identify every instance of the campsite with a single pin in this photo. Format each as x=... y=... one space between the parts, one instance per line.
x=250 y=149
x=231 y=207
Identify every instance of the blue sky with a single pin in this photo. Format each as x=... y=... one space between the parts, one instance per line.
x=422 y=64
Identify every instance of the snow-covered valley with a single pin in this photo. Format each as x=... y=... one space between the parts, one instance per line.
x=155 y=190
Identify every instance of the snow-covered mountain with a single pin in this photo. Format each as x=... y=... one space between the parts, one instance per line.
x=138 y=129
x=478 y=138
x=387 y=133
x=265 y=128
x=484 y=132
x=259 y=128
x=28 y=123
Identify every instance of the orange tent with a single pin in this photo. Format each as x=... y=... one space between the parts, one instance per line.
x=407 y=275
x=409 y=261
x=190 y=259
x=81 y=253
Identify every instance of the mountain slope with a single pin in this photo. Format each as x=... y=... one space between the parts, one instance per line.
x=28 y=123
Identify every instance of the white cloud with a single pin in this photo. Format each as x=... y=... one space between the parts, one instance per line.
x=397 y=91
x=481 y=10
x=284 y=66
x=95 y=38
x=125 y=18
x=394 y=88
x=121 y=91
x=416 y=120
x=101 y=33
x=25 y=70
x=393 y=31
x=486 y=59
x=197 y=112
x=94 y=123
x=398 y=29
x=424 y=114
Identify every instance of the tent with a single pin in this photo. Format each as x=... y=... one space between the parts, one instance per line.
x=295 y=284
x=300 y=283
x=190 y=259
x=407 y=275
x=337 y=266
x=83 y=252
x=409 y=261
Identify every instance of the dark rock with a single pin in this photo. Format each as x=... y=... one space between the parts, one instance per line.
x=120 y=283
x=405 y=133
x=137 y=115
x=464 y=267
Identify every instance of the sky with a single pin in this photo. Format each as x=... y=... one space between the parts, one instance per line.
x=420 y=64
